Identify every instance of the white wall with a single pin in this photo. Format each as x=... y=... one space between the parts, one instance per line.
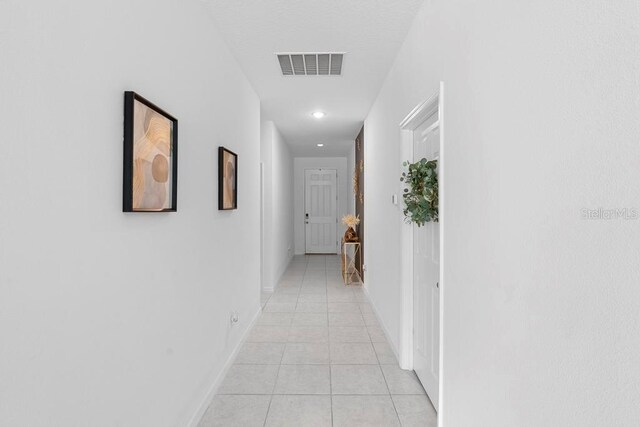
x=266 y=157
x=300 y=164
x=279 y=236
x=109 y=318
x=541 y=120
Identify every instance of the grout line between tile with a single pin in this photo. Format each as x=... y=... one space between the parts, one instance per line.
x=275 y=383
x=329 y=347
x=387 y=384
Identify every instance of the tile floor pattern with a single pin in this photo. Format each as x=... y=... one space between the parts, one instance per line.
x=318 y=357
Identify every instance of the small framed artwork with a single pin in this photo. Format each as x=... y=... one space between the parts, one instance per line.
x=150 y=157
x=227 y=179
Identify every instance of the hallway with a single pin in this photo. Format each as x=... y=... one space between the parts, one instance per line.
x=168 y=163
x=317 y=356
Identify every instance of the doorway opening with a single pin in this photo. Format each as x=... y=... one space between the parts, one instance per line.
x=263 y=278
x=422 y=257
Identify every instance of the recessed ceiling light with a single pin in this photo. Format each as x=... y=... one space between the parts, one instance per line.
x=318 y=114
x=320 y=145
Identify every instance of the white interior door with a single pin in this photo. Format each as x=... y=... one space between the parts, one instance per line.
x=426 y=274
x=320 y=211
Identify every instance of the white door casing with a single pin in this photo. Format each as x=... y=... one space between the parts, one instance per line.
x=431 y=108
x=426 y=274
x=320 y=211
x=263 y=279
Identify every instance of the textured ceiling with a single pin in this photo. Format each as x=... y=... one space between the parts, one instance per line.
x=369 y=31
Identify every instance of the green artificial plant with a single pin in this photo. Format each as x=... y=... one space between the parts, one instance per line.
x=421 y=195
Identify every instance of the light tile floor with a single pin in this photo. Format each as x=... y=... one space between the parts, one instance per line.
x=318 y=357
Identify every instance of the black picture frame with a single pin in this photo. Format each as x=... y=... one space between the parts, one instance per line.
x=162 y=169
x=227 y=189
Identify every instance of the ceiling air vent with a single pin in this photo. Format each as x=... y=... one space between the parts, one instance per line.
x=311 y=64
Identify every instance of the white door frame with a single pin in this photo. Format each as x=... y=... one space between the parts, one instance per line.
x=416 y=117
x=304 y=206
x=263 y=281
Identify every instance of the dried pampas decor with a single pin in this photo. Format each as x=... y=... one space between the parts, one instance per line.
x=351 y=221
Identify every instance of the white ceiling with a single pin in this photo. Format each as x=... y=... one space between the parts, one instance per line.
x=369 y=31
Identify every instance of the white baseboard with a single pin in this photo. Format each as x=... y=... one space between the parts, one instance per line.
x=382 y=325
x=213 y=388
x=274 y=286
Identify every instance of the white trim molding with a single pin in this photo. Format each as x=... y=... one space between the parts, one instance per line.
x=417 y=116
x=376 y=312
x=274 y=286
x=421 y=113
x=213 y=388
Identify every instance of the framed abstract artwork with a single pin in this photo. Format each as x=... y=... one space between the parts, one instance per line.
x=150 y=157
x=227 y=179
